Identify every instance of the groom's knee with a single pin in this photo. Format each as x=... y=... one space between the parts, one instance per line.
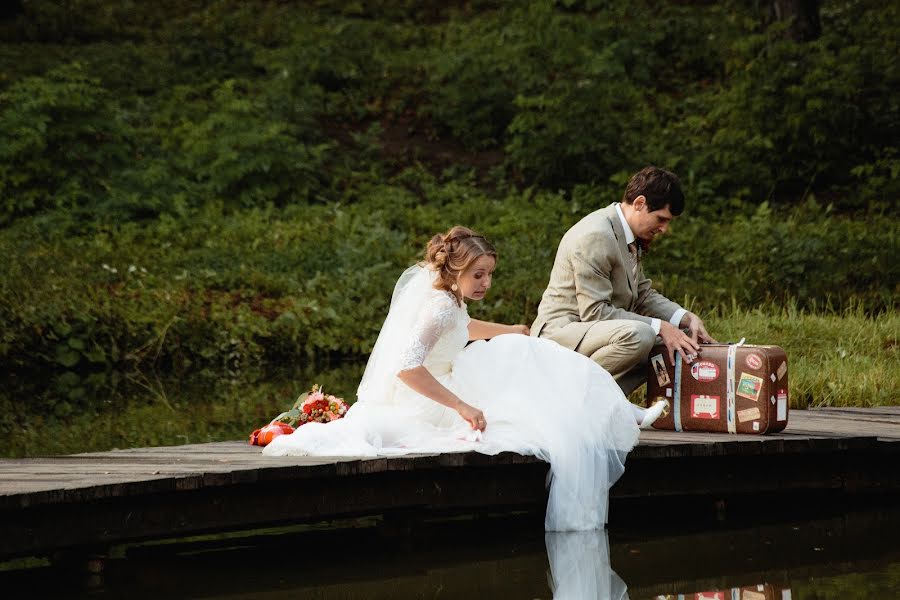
x=638 y=338
x=618 y=345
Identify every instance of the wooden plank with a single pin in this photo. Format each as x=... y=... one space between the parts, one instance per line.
x=851 y=417
x=870 y=427
x=179 y=490
x=893 y=411
x=123 y=515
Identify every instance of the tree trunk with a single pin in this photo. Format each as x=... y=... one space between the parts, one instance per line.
x=803 y=15
x=10 y=9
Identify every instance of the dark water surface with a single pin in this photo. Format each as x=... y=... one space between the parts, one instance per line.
x=845 y=553
x=854 y=555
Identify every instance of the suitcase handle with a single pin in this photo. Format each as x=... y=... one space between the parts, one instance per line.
x=740 y=343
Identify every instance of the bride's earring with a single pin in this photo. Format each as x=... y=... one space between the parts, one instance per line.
x=454 y=287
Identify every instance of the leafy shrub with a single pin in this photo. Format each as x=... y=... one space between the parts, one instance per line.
x=234 y=289
x=790 y=118
x=238 y=153
x=60 y=134
x=807 y=255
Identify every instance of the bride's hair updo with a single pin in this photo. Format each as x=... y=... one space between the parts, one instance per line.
x=453 y=252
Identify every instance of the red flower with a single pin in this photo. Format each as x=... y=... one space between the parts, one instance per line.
x=266 y=434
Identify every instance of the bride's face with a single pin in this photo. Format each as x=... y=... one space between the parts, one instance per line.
x=475 y=281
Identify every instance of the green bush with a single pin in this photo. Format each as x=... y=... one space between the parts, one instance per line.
x=60 y=135
x=806 y=255
x=226 y=289
x=123 y=110
x=790 y=118
x=237 y=151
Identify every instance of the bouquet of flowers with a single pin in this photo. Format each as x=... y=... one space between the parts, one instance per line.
x=313 y=405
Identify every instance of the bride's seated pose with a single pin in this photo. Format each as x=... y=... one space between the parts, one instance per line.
x=425 y=390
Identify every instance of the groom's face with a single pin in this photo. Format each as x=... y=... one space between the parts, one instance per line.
x=648 y=225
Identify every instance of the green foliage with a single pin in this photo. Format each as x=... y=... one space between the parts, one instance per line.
x=230 y=290
x=59 y=137
x=793 y=117
x=192 y=185
x=493 y=55
x=239 y=151
x=144 y=111
x=807 y=253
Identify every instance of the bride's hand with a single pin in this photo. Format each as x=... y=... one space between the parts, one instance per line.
x=472 y=415
x=523 y=329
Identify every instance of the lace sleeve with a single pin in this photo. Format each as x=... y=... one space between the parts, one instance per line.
x=435 y=318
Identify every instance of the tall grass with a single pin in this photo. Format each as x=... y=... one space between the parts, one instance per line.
x=143 y=410
x=837 y=358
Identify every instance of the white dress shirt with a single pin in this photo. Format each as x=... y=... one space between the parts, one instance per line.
x=629 y=238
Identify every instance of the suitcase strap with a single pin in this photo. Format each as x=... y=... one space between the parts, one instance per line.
x=676 y=401
x=730 y=388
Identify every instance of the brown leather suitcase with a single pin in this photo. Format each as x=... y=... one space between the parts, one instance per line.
x=729 y=388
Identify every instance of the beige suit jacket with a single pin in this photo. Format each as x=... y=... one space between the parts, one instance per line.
x=592 y=281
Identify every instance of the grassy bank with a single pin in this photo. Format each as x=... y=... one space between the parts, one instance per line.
x=836 y=359
x=844 y=358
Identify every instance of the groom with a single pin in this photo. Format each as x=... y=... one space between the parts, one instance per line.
x=599 y=302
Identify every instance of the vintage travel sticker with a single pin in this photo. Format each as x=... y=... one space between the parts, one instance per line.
x=751 y=595
x=754 y=361
x=705 y=371
x=711 y=596
x=748 y=414
x=749 y=386
x=782 y=369
x=659 y=367
x=705 y=407
x=781 y=409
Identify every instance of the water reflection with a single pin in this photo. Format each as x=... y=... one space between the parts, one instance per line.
x=760 y=591
x=580 y=566
x=849 y=556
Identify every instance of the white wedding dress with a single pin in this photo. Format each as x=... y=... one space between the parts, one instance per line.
x=538 y=398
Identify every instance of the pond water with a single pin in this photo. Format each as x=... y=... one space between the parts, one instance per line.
x=842 y=553
x=853 y=555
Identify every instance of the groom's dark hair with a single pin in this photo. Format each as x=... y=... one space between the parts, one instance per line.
x=661 y=188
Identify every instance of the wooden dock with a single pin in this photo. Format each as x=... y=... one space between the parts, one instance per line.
x=91 y=501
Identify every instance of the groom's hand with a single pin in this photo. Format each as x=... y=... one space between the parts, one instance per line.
x=678 y=341
x=695 y=325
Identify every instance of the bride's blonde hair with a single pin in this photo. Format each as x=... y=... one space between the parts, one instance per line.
x=453 y=252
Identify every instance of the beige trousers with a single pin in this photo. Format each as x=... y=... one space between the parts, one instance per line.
x=622 y=347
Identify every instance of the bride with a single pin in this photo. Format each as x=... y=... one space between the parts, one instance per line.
x=425 y=390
